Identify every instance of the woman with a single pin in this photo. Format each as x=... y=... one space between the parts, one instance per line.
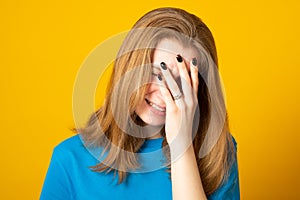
x=162 y=132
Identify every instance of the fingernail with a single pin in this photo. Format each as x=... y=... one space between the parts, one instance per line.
x=159 y=77
x=179 y=58
x=163 y=66
x=194 y=61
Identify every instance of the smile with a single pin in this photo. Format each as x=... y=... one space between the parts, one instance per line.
x=155 y=106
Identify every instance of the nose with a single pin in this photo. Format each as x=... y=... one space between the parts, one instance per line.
x=155 y=94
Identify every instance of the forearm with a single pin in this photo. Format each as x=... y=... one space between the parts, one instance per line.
x=186 y=181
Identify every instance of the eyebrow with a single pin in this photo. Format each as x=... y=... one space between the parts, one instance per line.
x=156 y=67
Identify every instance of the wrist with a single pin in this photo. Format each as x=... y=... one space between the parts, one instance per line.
x=178 y=148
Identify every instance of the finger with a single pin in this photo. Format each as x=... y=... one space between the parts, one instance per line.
x=170 y=104
x=194 y=75
x=171 y=83
x=184 y=76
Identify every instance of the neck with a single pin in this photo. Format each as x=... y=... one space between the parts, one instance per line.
x=158 y=135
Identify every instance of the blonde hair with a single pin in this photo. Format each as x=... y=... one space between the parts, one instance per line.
x=109 y=129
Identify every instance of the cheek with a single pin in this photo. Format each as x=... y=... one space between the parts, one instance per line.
x=151 y=89
x=140 y=109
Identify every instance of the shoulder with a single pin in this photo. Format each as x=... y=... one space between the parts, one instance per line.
x=229 y=189
x=73 y=150
x=69 y=143
x=234 y=141
x=69 y=147
x=57 y=184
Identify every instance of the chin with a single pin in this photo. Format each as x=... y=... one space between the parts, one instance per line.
x=150 y=114
x=154 y=121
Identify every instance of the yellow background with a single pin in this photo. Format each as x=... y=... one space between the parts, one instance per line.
x=43 y=44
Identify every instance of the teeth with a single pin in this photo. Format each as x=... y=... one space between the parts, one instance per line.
x=157 y=107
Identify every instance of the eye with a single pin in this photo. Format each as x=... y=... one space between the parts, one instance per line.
x=154 y=74
x=157 y=76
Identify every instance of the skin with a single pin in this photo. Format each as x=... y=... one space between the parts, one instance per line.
x=176 y=115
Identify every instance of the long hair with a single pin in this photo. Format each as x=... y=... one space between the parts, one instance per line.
x=109 y=126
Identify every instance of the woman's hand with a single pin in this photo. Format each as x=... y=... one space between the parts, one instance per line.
x=180 y=106
x=180 y=110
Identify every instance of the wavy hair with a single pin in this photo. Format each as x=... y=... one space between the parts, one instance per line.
x=109 y=126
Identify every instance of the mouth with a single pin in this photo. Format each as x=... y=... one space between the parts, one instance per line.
x=155 y=106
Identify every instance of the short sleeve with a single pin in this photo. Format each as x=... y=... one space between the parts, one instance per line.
x=56 y=184
x=230 y=188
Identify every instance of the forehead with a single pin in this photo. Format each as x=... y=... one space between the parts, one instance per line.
x=167 y=49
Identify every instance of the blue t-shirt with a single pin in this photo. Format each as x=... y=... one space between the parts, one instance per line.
x=69 y=176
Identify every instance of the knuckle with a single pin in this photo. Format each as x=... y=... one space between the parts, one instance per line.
x=173 y=109
x=190 y=103
x=183 y=106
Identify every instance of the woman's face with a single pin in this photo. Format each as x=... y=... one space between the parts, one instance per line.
x=152 y=110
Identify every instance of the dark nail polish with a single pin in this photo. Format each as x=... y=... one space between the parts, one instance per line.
x=179 y=58
x=159 y=77
x=163 y=66
x=194 y=61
